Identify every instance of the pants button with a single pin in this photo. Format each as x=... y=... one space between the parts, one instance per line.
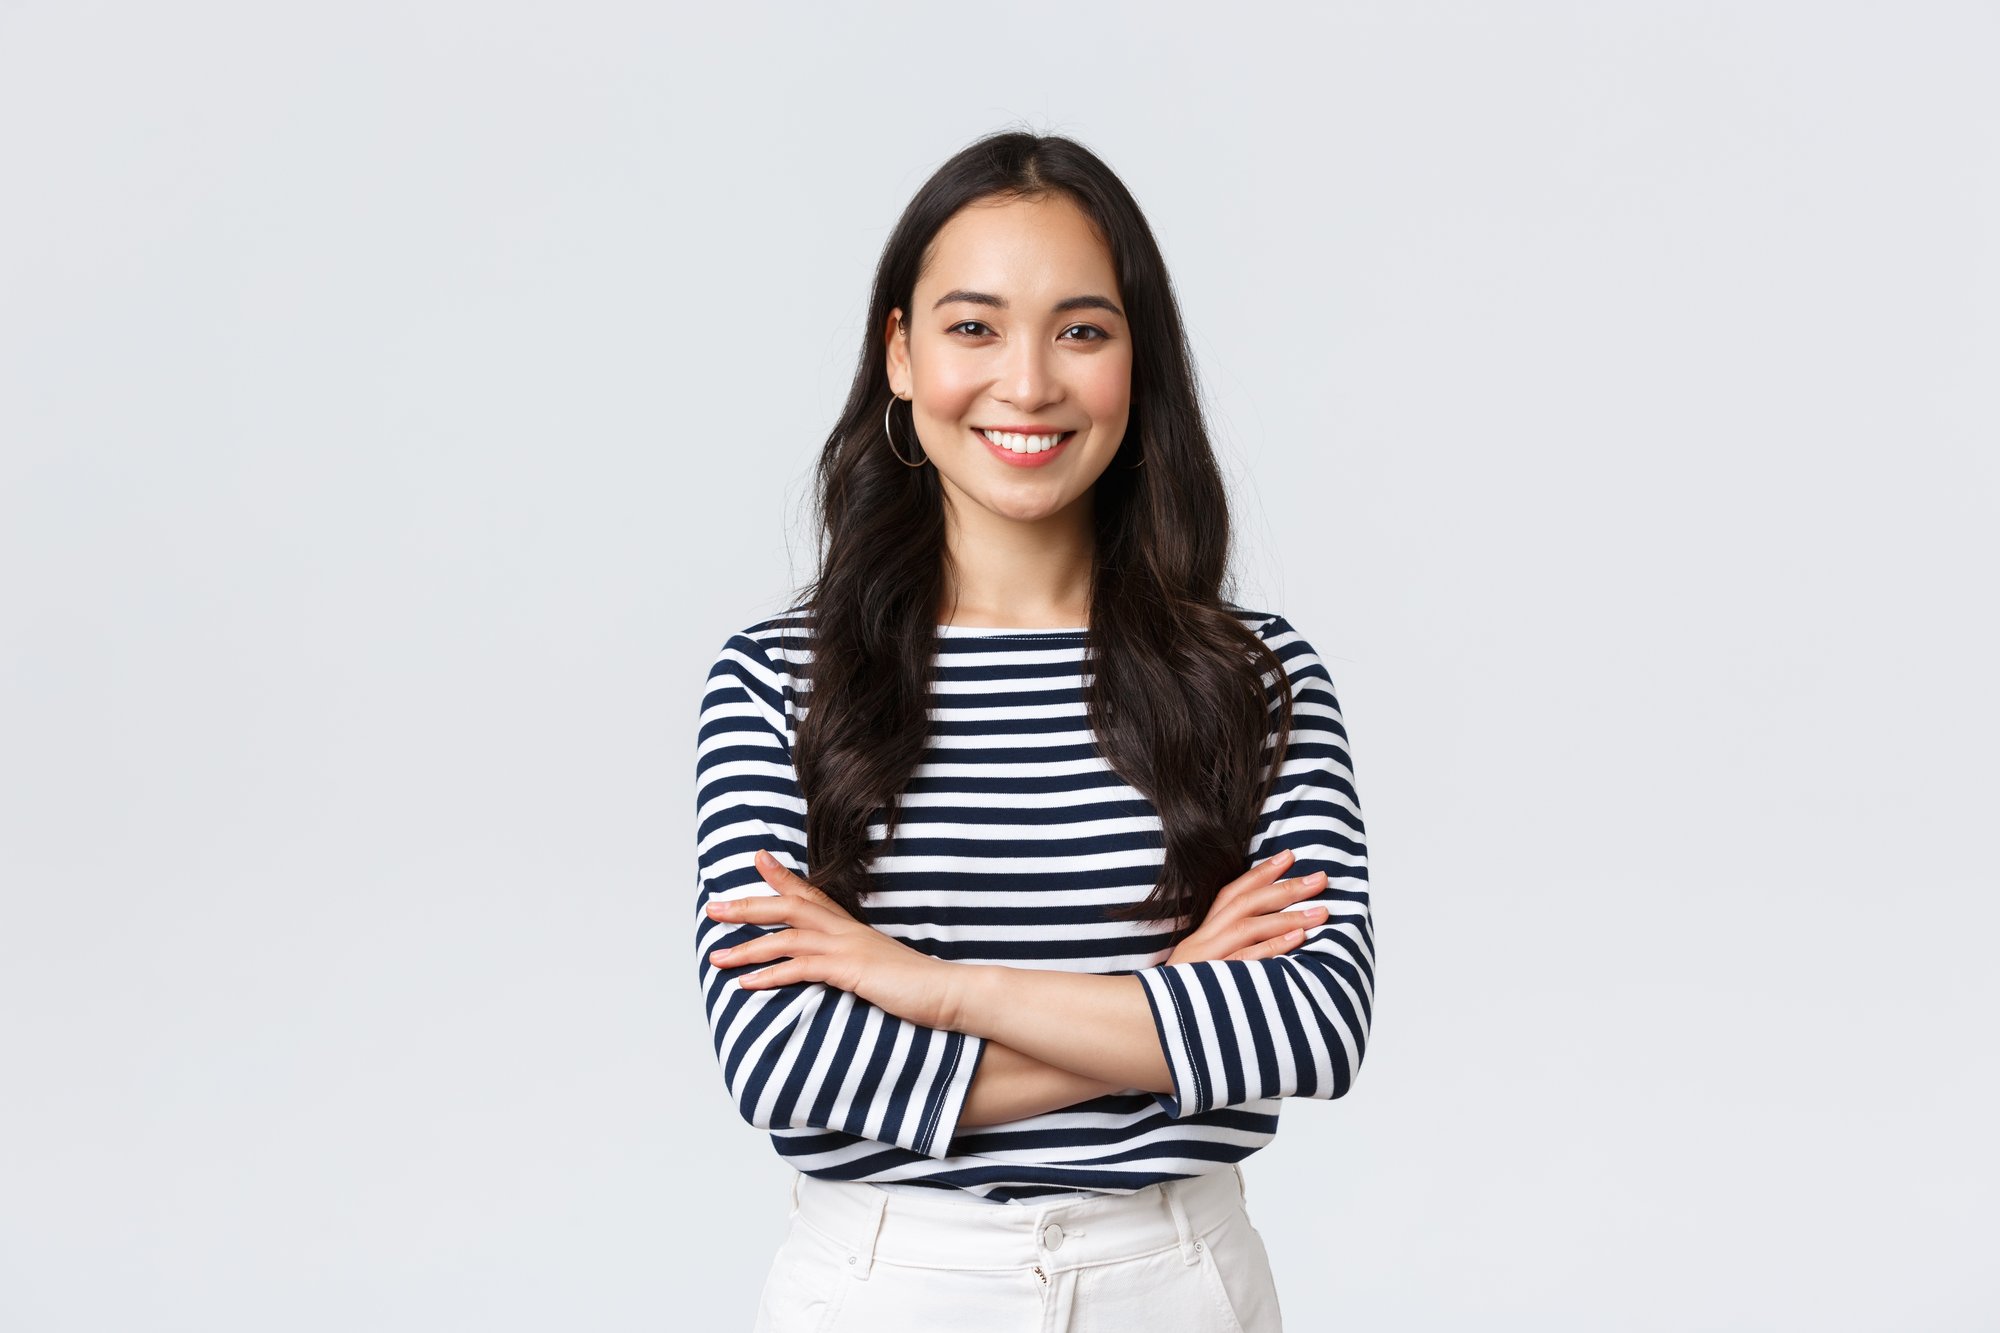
x=1052 y=1236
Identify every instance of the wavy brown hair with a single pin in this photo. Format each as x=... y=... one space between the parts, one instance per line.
x=1178 y=697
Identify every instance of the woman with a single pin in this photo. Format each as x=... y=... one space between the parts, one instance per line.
x=1012 y=933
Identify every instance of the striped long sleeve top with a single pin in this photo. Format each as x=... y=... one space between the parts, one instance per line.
x=1015 y=836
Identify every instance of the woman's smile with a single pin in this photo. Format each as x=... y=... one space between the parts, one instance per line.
x=1021 y=449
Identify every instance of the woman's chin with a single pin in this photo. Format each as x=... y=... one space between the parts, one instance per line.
x=1024 y=504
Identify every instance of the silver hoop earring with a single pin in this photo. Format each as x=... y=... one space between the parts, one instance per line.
x=887 y=434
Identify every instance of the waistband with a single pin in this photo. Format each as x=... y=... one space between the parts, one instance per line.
x=895 y=1227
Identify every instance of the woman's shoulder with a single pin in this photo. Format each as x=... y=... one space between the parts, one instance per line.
x=762 y=660
x=1266 y=625
x=772 y=642
x=759 y=662
x=1305 y=670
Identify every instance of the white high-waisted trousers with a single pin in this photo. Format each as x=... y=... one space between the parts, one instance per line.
x=1179 y=1257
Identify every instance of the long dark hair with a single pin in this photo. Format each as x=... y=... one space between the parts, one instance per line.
x=1177 y=699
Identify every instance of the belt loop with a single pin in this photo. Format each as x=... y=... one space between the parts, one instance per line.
x=796 y=1177
x=1183 y=1229
x=867 y=1231
x=1242 y=1192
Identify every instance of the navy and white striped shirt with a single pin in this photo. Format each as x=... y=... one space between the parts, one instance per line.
x=1015 y=836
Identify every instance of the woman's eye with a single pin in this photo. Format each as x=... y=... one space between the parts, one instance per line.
x=975 y=328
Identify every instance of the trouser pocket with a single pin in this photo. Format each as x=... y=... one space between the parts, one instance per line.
x=1234 y=1257
x=803 y=1290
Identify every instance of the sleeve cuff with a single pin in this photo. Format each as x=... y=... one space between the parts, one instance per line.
x=1180 y=1039
x=947 y=1099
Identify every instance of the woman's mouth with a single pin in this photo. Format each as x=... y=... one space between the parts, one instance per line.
x=1024 y=450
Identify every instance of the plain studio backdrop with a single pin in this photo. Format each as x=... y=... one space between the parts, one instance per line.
x=401 y=404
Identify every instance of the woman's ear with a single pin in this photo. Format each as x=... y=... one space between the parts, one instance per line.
x=896 y=343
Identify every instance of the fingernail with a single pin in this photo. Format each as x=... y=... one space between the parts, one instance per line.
x=1284 y=857
x=1295 y=935
x=1316 y=878
x=763 y=858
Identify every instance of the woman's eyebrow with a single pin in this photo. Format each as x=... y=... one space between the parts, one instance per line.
x=1087 y=302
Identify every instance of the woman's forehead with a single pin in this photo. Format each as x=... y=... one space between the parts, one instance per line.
x=1017 y=249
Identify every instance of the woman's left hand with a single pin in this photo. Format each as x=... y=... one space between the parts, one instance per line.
x=825 y=943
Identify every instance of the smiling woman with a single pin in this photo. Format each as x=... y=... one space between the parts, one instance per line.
x=1031 y=872
x=1002 y=369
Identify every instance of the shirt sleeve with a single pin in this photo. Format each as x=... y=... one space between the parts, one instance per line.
x=806 y=1055
x=1296 y=1025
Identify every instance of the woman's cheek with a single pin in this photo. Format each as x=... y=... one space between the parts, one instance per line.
x=951 y=395
x=1107 y=391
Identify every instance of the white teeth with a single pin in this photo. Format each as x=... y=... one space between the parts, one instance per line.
x=1025 y=444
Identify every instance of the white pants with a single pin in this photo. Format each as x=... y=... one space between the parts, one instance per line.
x=1179 y=1257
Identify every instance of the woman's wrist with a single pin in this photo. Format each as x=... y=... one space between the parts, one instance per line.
x=1099 y=1026
x=1010 y=1086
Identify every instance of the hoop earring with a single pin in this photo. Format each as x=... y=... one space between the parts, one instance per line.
x=1132 y=466
x=891 y=437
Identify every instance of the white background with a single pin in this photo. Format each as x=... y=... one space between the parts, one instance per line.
x=401 y=403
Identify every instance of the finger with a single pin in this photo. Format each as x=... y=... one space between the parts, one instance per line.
x=1308 y=916
x=761 y=909
x=1257 y=929
x=765 y=947
x=776 y=873
x=1288 y=891
x=1256 y=877
x=777 y=974
x=786 y=880
x=1271 y=948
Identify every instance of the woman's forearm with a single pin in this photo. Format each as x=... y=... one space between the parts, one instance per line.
x=1100 y=1027
x=1012 y=1086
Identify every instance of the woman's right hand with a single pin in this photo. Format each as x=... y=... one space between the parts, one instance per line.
x=1248 y=917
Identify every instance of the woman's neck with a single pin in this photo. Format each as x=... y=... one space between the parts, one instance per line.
x=1003 y=573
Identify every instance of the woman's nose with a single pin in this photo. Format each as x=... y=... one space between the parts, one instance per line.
x=1030 y=381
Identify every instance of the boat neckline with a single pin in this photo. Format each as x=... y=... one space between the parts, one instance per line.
x=1009 y=631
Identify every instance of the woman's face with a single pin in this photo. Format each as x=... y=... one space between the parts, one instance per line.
x=1016 y=324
